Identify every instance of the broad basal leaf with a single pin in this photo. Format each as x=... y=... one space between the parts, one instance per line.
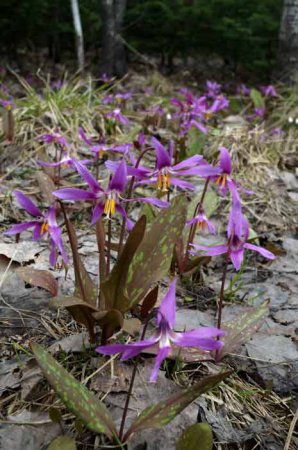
x=196 y=437
x=40 y=278
x=85 y=287
x=113 y=287
x=157 y=416
x=153 y=258
x=257 y=98
x=92 y=413
x=242 y=328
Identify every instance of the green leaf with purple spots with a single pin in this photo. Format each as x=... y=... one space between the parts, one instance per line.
x=159 y=415
x=153 y=258
x=113 y=287
x=196 y=437
x=242 y=328
x=91 y=412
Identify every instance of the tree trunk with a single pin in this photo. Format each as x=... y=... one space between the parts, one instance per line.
x=113 y=51
x=78 y=33
x=288 y=41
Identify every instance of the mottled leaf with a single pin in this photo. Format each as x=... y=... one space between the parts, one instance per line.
x=159 y=415
x=257 y=98
x=113 y=287
x=242 y=328
x=63 y=443
x=153 y=258
x=85 y=287
x=196 y=437
x=40 y=278
x=83 y=403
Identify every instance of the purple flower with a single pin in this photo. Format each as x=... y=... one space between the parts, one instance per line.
x=43 y=224
x=66 y=161
x=165 y=337
x=224 y=181
x=6 y=104
x=243 y=89
x=202 y=222
x=213 y=88
x=235 y=249
x=106 y=201
x=101 y=148
x=117 y=115
x=53 y=138
x=269 y=91
x=260 y=112
x=166 y=173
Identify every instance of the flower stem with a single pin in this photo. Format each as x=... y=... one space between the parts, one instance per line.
x=192 y=230
x=133 y=376
x=129 y=192
x=222 y=290
x=109 y=247
x=100 y=237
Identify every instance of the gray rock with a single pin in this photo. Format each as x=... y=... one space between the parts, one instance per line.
x=276 y=359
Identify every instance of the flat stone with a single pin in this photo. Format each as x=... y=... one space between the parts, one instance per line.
x=276 y=359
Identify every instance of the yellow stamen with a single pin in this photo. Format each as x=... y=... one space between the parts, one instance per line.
x=44 y=228
x=208 y=115
x=163 y=181
x=110 y=207
x=221 y=180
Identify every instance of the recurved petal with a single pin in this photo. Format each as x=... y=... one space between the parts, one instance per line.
x=121 y=210
x=119 y=179
x=225 y=160
x=262 y=251
x=20 y=227
x=74 y=194
x=97 y=213
x=87 y=176
x=152 y=200
x=189 y=162
x=27 y=204
x=237 y=258
x=162 y=157
x=212 y=251
x=203 y=343
x=161 y=356
x=167 y=309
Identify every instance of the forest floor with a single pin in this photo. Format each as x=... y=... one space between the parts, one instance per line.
x=256 y=407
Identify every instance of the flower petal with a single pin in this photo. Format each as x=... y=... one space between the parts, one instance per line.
x=161 y=356
x=225 y=160
x=262 y=251
x=87 y=176
x=152 y=200
x=237 y=258
x=212 y=251
x=162 y=157
x=127 y=350
x=189 y=162
x=167 y=309
x=119 y=179
x=203 y=343
x=97 y=213
x=122 y=211
x=74 y=194
x=20 y=227
x=27 y=204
